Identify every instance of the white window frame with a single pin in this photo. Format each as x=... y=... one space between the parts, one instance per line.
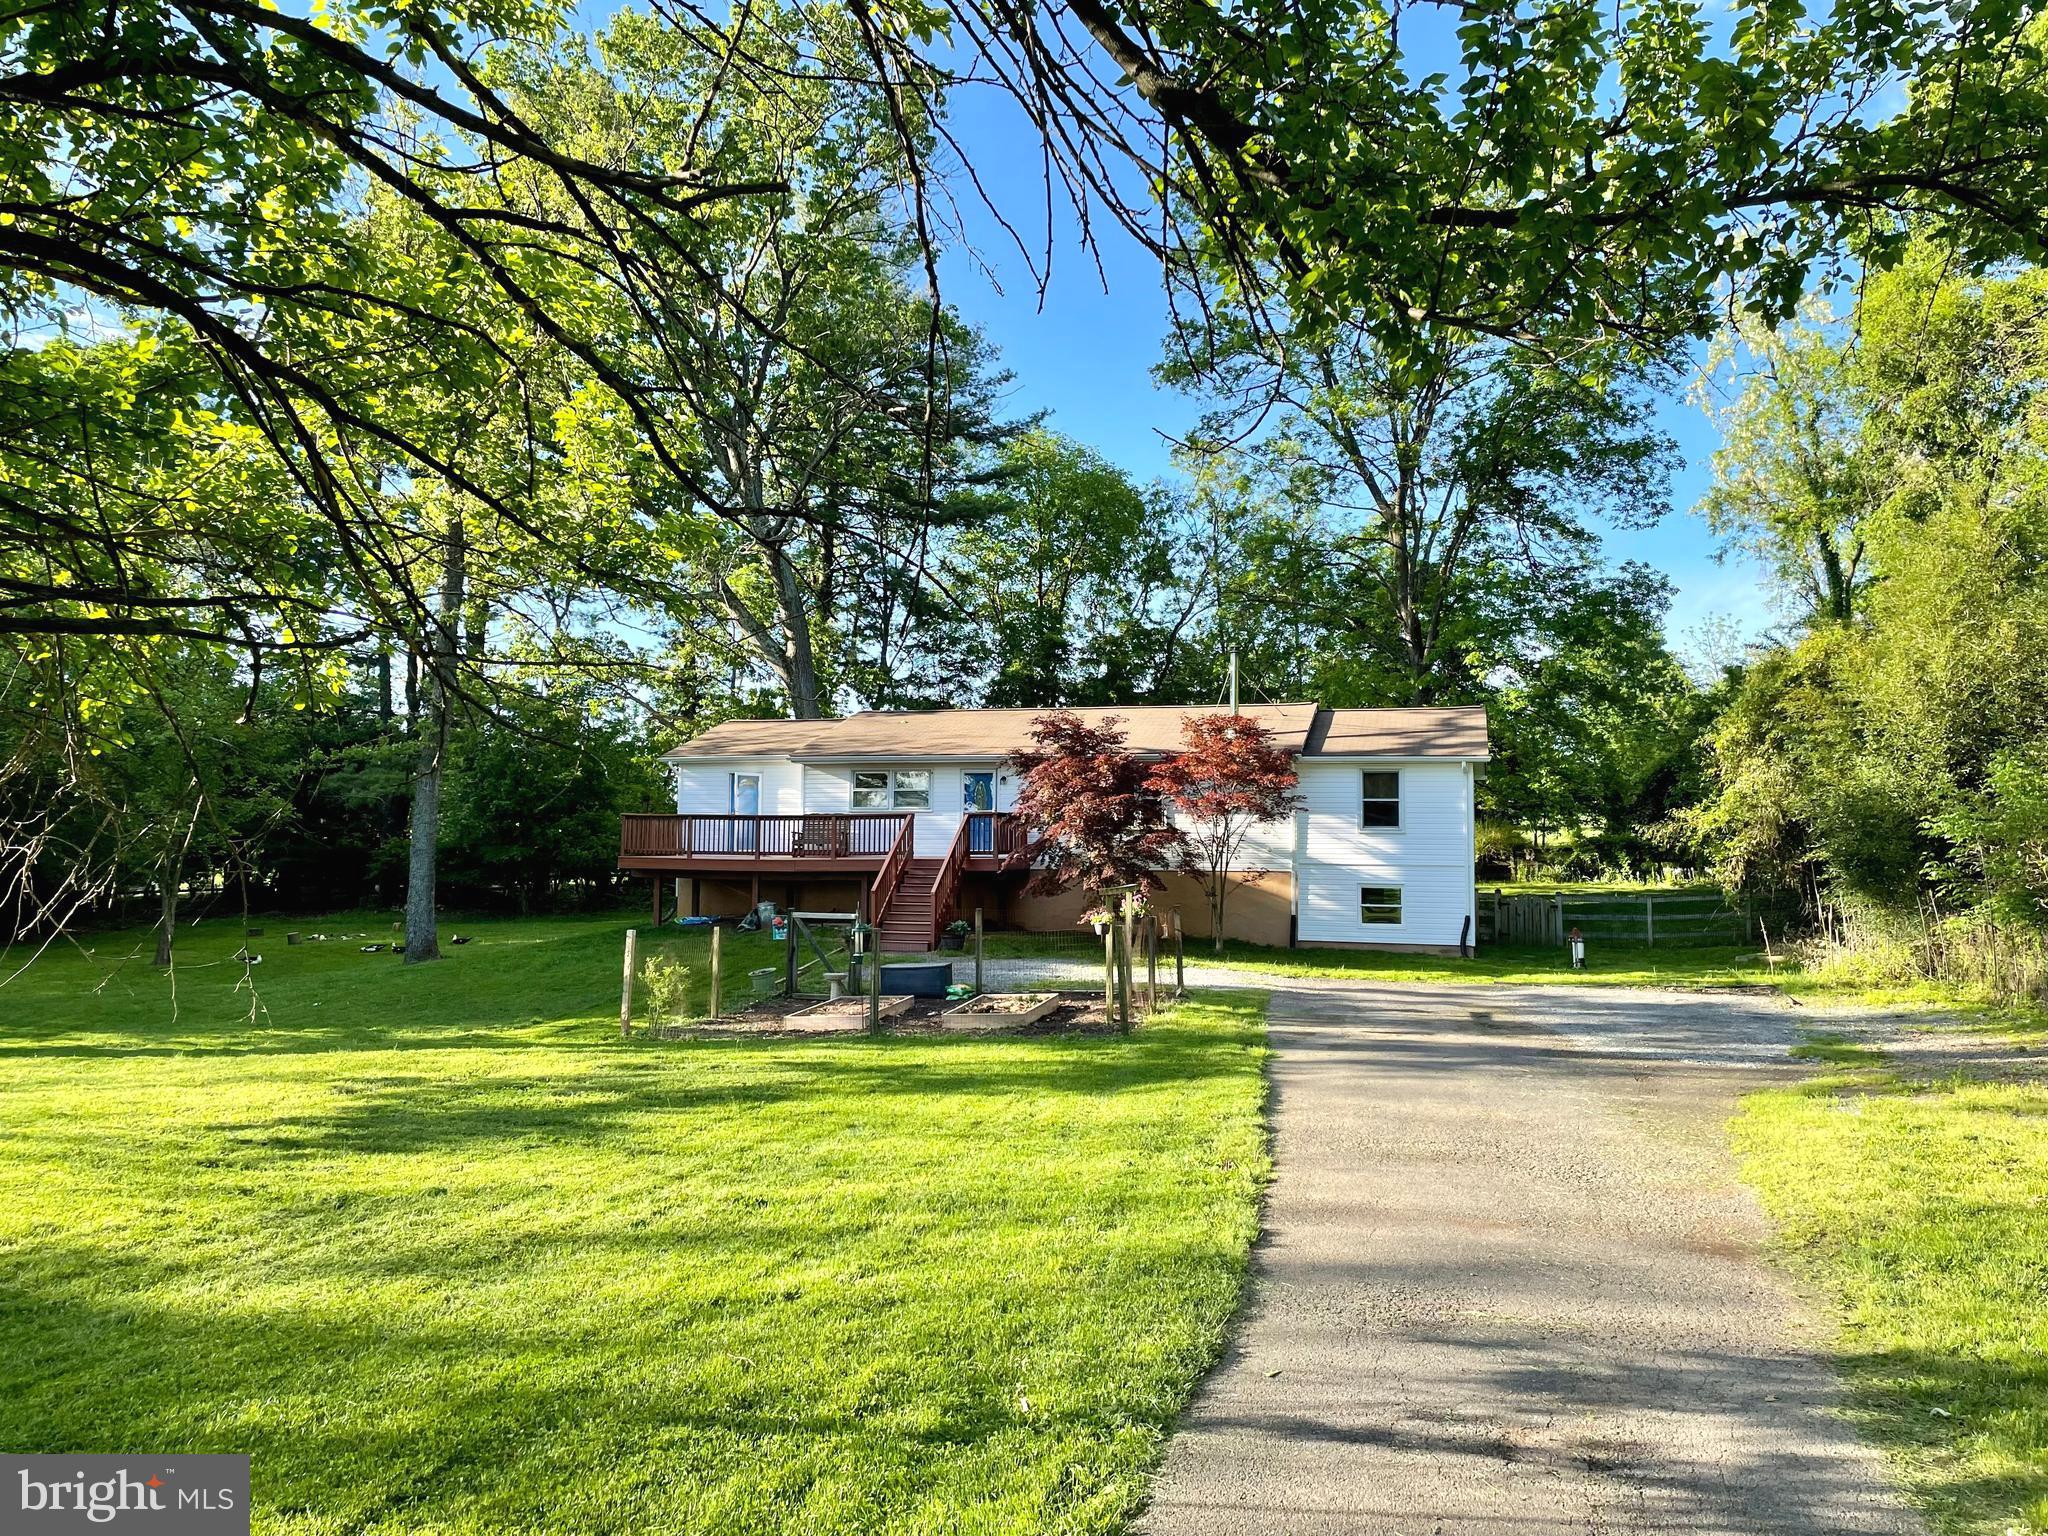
x=1364 y=800
x=1396 y=906
x=891 y=789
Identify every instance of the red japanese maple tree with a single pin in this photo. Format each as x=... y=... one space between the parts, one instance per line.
x=1228 y=779
x=1091 y=800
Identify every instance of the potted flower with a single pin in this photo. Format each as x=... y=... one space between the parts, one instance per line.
x=955 y=934
x=1098 y=919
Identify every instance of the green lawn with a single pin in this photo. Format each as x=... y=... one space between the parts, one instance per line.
x=446 y=1255
x=1612 y=964
x=1922 y=1209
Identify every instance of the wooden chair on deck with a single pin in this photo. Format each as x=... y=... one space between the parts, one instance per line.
x=816 y=838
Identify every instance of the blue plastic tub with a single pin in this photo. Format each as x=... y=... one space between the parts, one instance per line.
x=924 y=978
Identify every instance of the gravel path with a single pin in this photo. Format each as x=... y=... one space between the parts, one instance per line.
x=1510 y=1285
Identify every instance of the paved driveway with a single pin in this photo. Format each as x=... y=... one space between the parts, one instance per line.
x=1509 y=1284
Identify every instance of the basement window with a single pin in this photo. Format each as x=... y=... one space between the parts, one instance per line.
x=1382 y=799
x=1379 y=904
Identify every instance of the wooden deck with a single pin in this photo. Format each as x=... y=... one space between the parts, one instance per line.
x=909 y=898
x=818 y=843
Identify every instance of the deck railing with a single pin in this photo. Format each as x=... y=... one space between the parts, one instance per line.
x=891 y=873
x=995 y=837
x=811 y=836
x=946 y=885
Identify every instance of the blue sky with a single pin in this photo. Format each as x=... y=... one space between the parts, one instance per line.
x=1085 y=358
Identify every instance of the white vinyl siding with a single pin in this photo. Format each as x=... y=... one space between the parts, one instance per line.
x=705 y=789
x=829 y=787
x=1428 y=857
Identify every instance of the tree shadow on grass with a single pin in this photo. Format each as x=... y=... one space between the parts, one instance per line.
x=401 y=1113
x=1924 y=1405
x=615 y=1411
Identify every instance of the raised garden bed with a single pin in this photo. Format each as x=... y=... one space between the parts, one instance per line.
x=1077 y=1012
x=853 y=1008
x=1002 y=1010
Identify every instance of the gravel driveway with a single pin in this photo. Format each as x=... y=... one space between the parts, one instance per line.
x=1509 y=1283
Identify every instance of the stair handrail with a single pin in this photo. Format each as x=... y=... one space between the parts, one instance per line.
x=890 y=875
x=946 y=885
x=1014 y=840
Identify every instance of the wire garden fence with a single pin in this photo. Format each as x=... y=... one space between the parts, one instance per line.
x=1647 y=918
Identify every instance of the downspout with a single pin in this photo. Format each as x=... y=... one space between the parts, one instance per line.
x=1294 y=877
x=1472 y=855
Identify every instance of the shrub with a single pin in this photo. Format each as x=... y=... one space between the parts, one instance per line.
x=665 y=983
x=1990 y=960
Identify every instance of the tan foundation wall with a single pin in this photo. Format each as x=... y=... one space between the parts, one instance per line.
x=732 y=898
x=1260 y=910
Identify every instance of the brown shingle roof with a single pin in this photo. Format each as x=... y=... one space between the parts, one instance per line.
x=1455 y=733
x=750 y=738
x=987 y=734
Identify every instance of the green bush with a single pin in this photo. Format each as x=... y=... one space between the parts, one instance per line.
x=665 y=983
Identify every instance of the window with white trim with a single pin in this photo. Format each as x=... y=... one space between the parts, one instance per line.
x=884 y=789
x=1381 y=805
x=1379 y=904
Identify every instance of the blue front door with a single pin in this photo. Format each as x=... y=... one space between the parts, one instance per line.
x=978 y=793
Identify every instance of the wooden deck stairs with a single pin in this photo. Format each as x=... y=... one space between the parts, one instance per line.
x=908 y=925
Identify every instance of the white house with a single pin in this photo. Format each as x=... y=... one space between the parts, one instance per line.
x=910 y=814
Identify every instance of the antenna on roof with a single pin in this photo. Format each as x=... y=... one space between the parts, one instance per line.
x=1233 y=682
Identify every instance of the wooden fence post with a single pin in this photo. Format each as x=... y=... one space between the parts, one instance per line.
x=1649 y=922
x=717 y=957
x=1557 y=906
x=1151 y=964
x=626 y=985
x=977 y=953
x=872 y=975
x=1109 y=972
x=1122 y=932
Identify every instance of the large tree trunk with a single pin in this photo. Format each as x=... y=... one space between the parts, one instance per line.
x=784 y=644
x=800 y=667
x=422 y=929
